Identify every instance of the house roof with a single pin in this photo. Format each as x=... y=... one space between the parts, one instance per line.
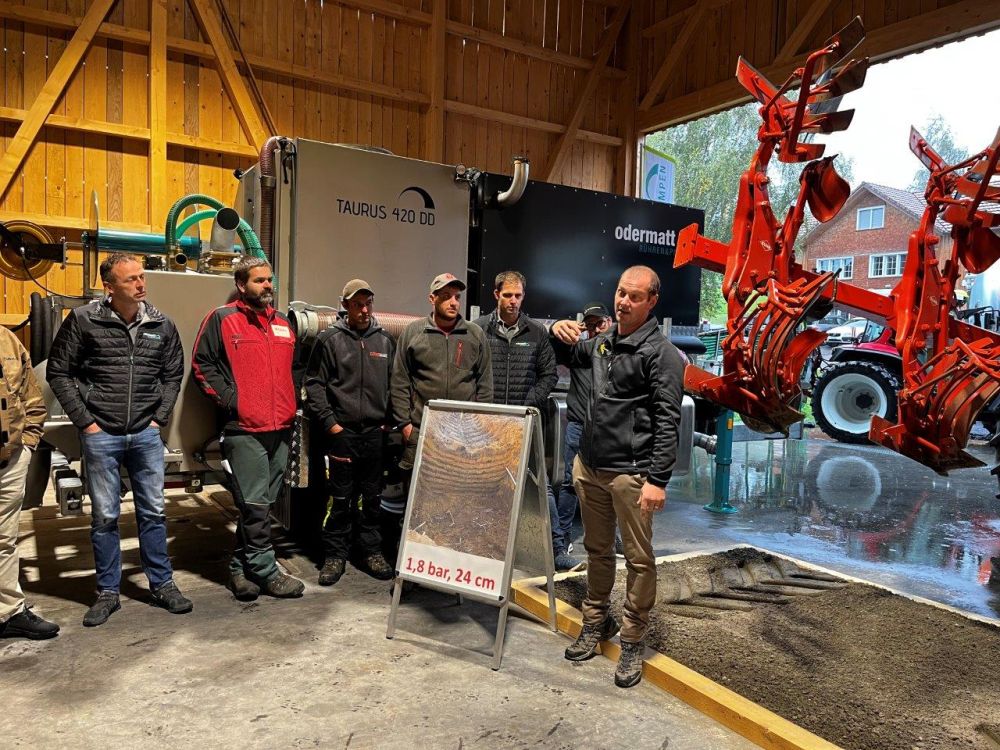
x=912 y=204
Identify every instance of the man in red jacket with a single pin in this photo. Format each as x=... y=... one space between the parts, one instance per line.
x=243 y=361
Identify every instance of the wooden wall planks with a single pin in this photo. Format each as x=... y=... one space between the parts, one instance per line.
x=512 y=73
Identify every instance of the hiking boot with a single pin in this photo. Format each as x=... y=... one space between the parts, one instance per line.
x=171 y=599
x=629 y=670
x=26 y=624
x=377 y=567
x=565 y=561
x=243 y=588
x=332 y=570
x=106 y=605
x=585 y=646
x=283 y=586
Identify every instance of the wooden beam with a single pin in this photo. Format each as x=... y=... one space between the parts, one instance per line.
x=131 y=132
x=434 y=130
x=626 y=164
x=803 y=29
x=930 y=29
x=525 y=48
x=666 y=24
x=561 y=149
x=519 y=121
x=53 y=89
x=73 y=222
x=158 y=204
x=675 y=54
x=246 y=111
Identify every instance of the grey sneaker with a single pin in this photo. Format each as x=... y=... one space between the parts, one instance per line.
x=332 y=570
x=243 y=588
x=585 y=645
x=629 y=670
x=565 y=561
x=171 y=599
x=283 y=586
x=106 y=605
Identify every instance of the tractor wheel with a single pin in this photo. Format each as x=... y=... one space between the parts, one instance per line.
x=847 y=394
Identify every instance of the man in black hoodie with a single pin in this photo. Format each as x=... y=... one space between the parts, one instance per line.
x=347 y=392
x=626 y=457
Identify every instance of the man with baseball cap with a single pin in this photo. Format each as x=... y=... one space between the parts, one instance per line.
x=347 y=392
x=440 y=356
x=596 y=320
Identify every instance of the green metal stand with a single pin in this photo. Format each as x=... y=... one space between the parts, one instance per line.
x=723 y=460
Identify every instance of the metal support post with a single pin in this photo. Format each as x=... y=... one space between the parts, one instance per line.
x=723 y=460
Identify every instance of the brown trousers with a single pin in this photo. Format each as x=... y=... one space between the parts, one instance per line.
x=604 y=498
x=12 y=478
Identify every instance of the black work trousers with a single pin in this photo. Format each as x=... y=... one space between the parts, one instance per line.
x=352 y=517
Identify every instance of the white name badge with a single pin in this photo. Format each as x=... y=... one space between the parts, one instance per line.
x=281 y=331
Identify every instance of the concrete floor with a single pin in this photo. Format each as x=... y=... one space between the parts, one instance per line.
x=319 y=671
x=314 y=672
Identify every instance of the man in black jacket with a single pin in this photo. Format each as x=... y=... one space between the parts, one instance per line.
x=347 y=387
x=626 y=457
x=524 y=370
x=116 y=367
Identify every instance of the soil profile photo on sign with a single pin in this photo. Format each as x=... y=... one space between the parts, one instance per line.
x=466 y=482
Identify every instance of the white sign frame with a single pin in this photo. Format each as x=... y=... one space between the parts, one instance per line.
x=438 y=566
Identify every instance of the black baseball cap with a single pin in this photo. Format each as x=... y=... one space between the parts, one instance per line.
x=595 y=309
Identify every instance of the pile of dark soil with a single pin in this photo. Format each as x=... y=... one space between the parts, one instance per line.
x=856 y=665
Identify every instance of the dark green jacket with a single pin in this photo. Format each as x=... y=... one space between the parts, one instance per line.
x=432 y=364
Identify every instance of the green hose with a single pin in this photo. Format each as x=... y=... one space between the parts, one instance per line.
x=251 y=244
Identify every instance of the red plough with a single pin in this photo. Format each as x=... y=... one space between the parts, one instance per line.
x=950 y=369
x=767 y=292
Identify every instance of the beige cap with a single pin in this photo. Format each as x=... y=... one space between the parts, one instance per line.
x=354 y=286
x=445 y=279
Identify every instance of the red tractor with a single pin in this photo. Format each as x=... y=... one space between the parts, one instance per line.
x=862 y=379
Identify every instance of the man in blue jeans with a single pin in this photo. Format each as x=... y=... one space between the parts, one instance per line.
x=116 y=367
x=596 y=320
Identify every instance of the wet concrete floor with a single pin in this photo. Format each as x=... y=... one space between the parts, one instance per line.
x=861 y=510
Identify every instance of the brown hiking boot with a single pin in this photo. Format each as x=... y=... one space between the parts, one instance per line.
x=377 y=567
x=283 y=586
x=332 y=570
x=585 y=646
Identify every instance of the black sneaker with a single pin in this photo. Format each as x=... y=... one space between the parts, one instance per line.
x=332 y=571
x=26 y=624
x=629 y=670
x=283 y=586
x=243 y=588
x=171 y=599
x=585 y=646
x=106 y=605
x=377 y=567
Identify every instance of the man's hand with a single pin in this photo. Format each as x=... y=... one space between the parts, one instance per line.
x=567 y=331
x=155 y=424
x=407 y=429
x=652 y=498
x=336 y=429
x=92 y=428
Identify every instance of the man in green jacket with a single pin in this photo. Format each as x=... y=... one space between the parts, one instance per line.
x=441 y=356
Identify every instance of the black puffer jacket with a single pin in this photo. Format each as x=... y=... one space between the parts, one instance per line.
x=347 y=380
x=98 y=375
x=524 y=368
x=635 y=404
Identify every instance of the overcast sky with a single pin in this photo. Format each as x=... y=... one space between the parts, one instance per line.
x=955 y=81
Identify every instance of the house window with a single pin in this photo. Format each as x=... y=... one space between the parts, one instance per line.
x=844 y=265
x=871 y=218
x=886 y=264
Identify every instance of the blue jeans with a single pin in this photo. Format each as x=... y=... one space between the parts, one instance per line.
x=563 y=509
x=141 y=454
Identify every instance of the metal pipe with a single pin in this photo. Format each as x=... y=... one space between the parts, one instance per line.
x=518 y=183
x=227 y=221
